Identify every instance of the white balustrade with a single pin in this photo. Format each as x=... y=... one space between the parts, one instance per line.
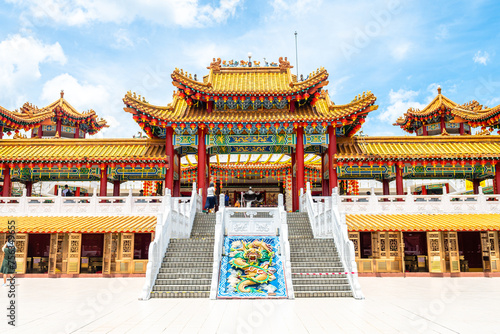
x=420 y=204
x=251 y=222
x=175 y=221
x=327 y=222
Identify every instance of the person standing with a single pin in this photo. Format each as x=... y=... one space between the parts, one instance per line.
x=210 y=204
x=226 y=199
x=9 y=264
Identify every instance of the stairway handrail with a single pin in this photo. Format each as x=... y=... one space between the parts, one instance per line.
x=218 y=246
x=172 y=223
x=325 y=217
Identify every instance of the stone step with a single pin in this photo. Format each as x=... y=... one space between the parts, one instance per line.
x=200 y=241
x=311 y=259
x=323 y=294
x=181 y=264
x=179 y=294
x=318 y=269
x=320 y=280
x=315 y=287
x=193 y=275
x=326 y=252
x=190 y=260
x=182 y=288
x=175 y=269
x=182 y=281
x=190 y=253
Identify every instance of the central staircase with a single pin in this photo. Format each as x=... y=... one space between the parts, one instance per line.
x=186 y=271
x=309 y=255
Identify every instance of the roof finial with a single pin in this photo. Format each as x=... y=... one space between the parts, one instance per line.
x=439 y=90
x=62 y=93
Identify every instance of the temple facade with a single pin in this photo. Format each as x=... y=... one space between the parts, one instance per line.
x=259 y=126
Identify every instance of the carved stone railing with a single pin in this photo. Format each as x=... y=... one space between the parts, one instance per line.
x=420 y=204
x=327 y=222
x=175 y=222
x=82 y=206
x=251 y=222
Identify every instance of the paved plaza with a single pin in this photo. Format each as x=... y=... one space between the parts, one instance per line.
x=392 y=305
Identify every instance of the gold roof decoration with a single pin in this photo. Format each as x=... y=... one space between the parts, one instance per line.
x=472 y=113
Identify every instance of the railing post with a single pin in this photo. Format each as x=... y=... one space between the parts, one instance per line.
x=58 y=201
x=308 y=187
x=23 y=203
x=222 y=201
x=129 y=202
x=280 y=200
x=93 y=201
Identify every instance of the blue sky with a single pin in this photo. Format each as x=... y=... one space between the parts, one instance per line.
x=97 y=50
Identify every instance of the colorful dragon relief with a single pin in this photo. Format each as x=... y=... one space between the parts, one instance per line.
x=251 y=269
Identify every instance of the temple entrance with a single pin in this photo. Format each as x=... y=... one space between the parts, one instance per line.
x=469 y=245
x=415 y=251
x=141 y=245
x=92 y=253
x=37 y=261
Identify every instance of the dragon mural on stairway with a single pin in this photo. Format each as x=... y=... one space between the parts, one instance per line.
x=251 y=268
x=256 y=260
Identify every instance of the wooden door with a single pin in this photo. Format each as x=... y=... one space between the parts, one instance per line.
x=126 y=253
x=21 y=252
x=434 y=252
x=74 y=252
x=451 y=252
x=486 y=251
x=495 y=258
x=53 y=253
x=106 y=258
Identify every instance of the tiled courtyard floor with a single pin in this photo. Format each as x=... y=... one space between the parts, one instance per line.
x=392 y=305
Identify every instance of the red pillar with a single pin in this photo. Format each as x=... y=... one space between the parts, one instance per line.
x=424 y=190
x=56 y=190
x=332 y=150
x=443 y=125
x=386 y=190
x=475 y=186
x=300 y=159
x=295 y=198
x=1 y=132
x=77 y=133
x=462 y=130
x=497 y=178
x=424 y=130
x=77 y=192
x=447 y=185
x=104 y=180
x=29 y=188
x=202 y=164
x=169 y=151
x=116 y=188
x=6 y=182
x=59 y=126
x=264 y=197
x=399 y=180
x=40 y=131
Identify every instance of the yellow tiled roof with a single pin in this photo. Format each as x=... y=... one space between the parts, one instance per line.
x=419 y=147
x=22 y=116
x=250 y=80
x=442 y=222
x=84 y=224
x=93 y=150
x=178 y=110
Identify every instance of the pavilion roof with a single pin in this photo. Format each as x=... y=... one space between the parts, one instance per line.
x=15 y=120
x=63 y=108
x=423 y=222
x=472 y=113
x=244 y=80
x=82 y=151
x=419 y=148
x=82 y=224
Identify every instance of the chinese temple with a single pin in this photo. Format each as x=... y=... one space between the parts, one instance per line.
x=247 y=124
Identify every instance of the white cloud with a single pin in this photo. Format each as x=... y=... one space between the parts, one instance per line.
x=122 y=40
x=187 y=13
x=20 y=59
x=400 y=51
x=481 y=57
x=399 y=103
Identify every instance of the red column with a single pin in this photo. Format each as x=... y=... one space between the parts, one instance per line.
x=104 y=180
x=77 y=133
x=59 y=126
x=497 y=178
x=169 y=151
x=295 y=198
x=475 y=186
x=77 y=192
x=40 y=131
x=443 y=125
x=202 y=164
x=447 y=185
x=399 y=180
x=386 y=188
x=6 y=182
x=424 y=130
x=300 y=159
x=1 y=132
x=116 y=188
x=424 y=190
x=29 y=188
x=264 y=197
x=462 y=130
x=332 y=150
x=56 y=190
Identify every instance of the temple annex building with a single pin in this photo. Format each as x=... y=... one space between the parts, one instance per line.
x=305 y=203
